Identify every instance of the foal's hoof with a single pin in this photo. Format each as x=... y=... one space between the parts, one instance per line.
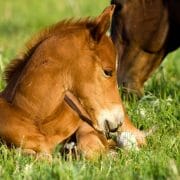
x=127 y=140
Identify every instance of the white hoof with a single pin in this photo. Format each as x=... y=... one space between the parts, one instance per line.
x=127 y=140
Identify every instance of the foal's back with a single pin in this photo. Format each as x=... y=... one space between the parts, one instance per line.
x=34 y=80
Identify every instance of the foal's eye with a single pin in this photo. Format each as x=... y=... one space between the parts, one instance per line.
x=108 y=73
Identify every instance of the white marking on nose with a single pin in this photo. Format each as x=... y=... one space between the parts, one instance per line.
x=114 y=117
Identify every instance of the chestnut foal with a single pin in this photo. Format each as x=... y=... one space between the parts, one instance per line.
x=70 y=59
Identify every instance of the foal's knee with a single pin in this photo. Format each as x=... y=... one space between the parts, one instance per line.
x=90 y=145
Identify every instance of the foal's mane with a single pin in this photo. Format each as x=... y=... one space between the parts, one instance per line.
x=15 y=68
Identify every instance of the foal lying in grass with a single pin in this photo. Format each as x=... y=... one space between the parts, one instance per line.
x=74 y=59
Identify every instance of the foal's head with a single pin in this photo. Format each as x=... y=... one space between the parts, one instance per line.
x=92 y=71
x=71 y=56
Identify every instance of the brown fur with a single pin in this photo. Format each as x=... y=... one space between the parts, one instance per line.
x=144 y=31
x=33 y=114
x=15 y=68
x=69 y=57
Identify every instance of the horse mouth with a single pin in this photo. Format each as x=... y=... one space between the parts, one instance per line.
x=109 y=129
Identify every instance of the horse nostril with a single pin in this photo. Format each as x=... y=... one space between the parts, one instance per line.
x=111 y=127
x=106 y=126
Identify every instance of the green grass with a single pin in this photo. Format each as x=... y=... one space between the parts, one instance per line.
x=160 y=106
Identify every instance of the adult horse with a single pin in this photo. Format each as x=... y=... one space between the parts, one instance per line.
x=67 y=76
x=144 y=32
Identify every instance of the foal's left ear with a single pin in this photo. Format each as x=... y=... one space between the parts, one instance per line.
x=102 y=23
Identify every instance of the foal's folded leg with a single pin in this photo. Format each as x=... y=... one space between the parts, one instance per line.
x=128 y=127
x=90 y=143
x=24 y=135
x=17 y=129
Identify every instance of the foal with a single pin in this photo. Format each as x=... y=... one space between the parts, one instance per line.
x=70 y=57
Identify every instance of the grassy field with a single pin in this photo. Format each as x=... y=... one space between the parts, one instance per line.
x=160 y=106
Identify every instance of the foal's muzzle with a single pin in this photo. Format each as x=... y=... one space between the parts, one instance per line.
x=111 y=127
x=110 y=120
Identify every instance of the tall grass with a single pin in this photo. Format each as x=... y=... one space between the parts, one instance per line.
x=160 y=106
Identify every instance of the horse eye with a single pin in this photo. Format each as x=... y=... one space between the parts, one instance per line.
x=108 y=73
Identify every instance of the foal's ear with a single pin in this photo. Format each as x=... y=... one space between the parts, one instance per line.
x=102 y=23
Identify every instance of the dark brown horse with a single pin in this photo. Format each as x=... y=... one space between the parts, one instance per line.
x=144 y=32
x=73 y=62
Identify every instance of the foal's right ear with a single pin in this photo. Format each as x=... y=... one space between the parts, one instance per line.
x=102 y=23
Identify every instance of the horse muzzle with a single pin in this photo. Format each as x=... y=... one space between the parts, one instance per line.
x=111 y=120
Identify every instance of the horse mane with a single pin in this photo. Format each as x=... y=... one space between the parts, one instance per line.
x=17 y=65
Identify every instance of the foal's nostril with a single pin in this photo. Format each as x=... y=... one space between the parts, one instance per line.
x=111 y=127
x=120 y=124
x=113 y=130
x=106 y=126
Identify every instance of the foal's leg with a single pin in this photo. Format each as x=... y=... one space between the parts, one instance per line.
x=127 y=126
x=22 y=132
x=16 y=129
x=90 y=143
